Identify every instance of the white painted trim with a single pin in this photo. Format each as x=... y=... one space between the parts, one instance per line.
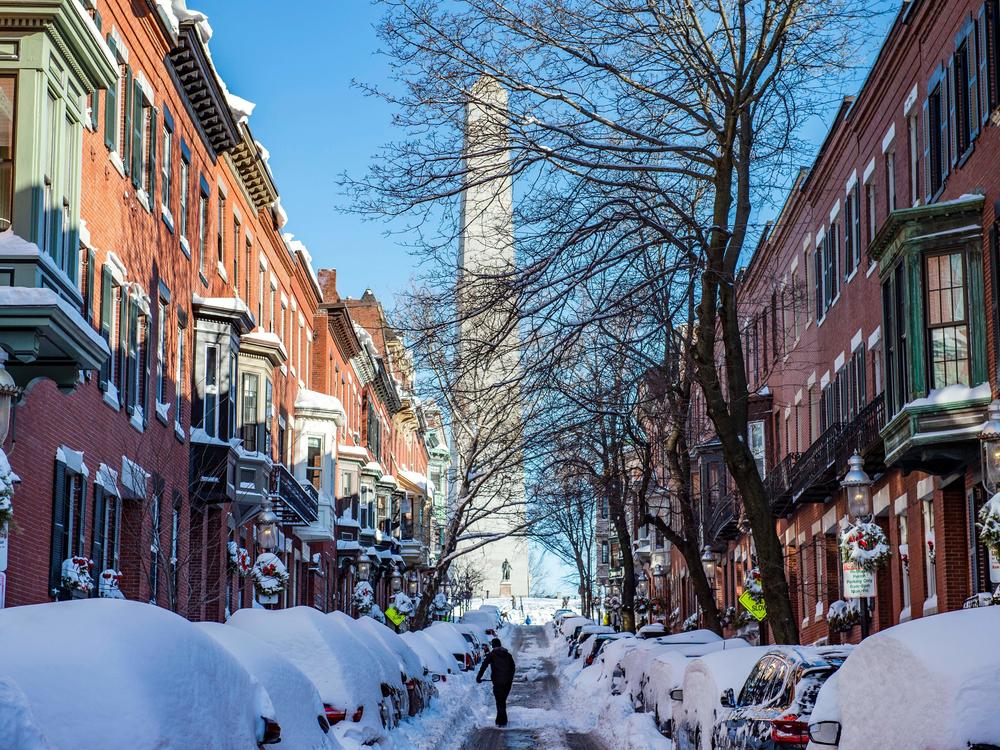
x=875 y=337
x=869 y=171
x=830 y=520
x=888 y=137
x=838 y=363
x=221 y=186
x=911 y=99
x=263 y=261
x=925 y=489
x=825 y=380
x=820 y=236
x=856 y=340
x=794 y=265
x=817 y=528
x=899 y=504
x=851 y=181
x=798 y=397
x=835 y=211
x=811 y=380
x=146 y=86
x=118 y=270
x=274 y=282
x=880 y=501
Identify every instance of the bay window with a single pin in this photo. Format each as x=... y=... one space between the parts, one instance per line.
x=314 y=463
x=249 y=416
x=948 y=331
x=210 y=418
x=7 y=127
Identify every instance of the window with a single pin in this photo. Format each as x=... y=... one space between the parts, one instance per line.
x=161 y=354
x=68 y=518
x=895 y=337
x=250 y=385
x=210 y=418
x=757 y=446
x=179 y=377
x=105 y=547
x=220 y=229
x=871 y=215
x=604 y=553
x=260 y=295
x=144 y=146
x=166 y=161
x=930 y=541
x=890 y=179
x=268 y=415
x=965 y=91
x=270 y=310
x=154 y=548
x=175 y=534
x=7 y=124
x=913 y=137
x=904 y=559
x=202 y=229
x=182 y=206
x=834 y=251
x=236 y=253
x=314 y=463
x=249 y=247
x=852 y=229
x=947 y=325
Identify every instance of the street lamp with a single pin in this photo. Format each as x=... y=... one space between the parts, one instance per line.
x=412 y=584
x=859 y=487
x=397 y=581
x=364 y=567
x=643 y=584
x=709 y=563
x=7 y=393
x=267 y=527
x=989 y=441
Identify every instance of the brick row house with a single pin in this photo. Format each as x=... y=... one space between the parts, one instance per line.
x=870 y=325
x=180 y=365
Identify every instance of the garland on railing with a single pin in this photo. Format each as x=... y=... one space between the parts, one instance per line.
x=752 y=584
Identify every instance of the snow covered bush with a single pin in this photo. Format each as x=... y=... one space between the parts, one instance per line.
x=7 y=479
x=403 y=604
x=989 y=524
x=76 y=574
x=109 y=584
x=269 y=575
x=641 y=603
x=377 y=614
x=842 y=616
x=734 y=617
x=440 y=605
x=752 y=584
x=691 y=623
x=364 y=599
x=864 y=544
x=239 y=560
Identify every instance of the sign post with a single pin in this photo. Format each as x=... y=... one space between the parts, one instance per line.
x=753 y=606
x=859 y=584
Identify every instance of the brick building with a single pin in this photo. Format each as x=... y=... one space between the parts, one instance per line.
x=870 y=325
x=180 y=362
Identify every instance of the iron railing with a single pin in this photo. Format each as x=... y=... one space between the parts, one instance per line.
x=297 y=506
x=862 y=434
x=817 y=466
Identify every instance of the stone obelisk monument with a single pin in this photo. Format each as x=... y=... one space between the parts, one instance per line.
x=489 y=346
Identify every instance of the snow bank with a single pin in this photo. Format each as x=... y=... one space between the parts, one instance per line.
x=433 y=655
x=335 y=661
x=409 y=663
x=705 y=679
x=446 y=634
x=929 y=683
x=296 y=702
x=104 y=673
x=17 y=723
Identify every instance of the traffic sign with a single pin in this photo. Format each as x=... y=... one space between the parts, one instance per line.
x=858 y=582
x=754 y=606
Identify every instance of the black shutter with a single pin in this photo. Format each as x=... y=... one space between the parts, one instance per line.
x=122 y=353
x=132 y=373
x=126 y=134
x=81 y=532
x=972 y=81
x=111 y=109
x=137 y=133
x=107 y=311
x=949 y=101
x=928 y=166
x=58 y=550
x=152 y=160
x=100 y=529
x=96 y=101
x=91 y=272
x=144 y=395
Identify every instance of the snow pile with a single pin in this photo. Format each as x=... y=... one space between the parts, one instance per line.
x=315 y=401
x=952 y=394
x=433 y=655
x=752 y=583
x=446 y=634
x=864 y=544
x=403 y=604
x=297 y=705
x=440 y=606
x=270 y=576
x=933 y=682
x=152 y=667
x=329 y=655
x=364 y=599
x=664 y=673
x=239 y=559
x=705 y=679
x=17 y=723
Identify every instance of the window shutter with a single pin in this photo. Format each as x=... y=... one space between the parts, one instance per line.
x=107 y=311
x=122 y=353
x=111 y=110
x=848 y=236
x=144 y=396
x=152 y=157
x=972 y=58
x=97 y=540
x=126 y=135
x=928 y=190
x=137 y=134
x=835 y=259
x=91 y=272
x=949 y=123
x=81 y=536
x=133 y=373
x=818 y=282
x=856 y=229
x=58 y=551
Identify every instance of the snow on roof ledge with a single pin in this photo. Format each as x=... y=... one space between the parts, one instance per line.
x=314 y=401
x=240 y=107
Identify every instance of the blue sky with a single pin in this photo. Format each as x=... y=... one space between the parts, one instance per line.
x=297 y=66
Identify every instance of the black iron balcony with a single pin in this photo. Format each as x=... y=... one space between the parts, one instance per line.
x=778 y=483
x=724 y=517
x=296 y=506
x=814 y=477
x=863 y=435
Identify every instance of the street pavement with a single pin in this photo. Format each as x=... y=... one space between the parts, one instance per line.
x=536 y=686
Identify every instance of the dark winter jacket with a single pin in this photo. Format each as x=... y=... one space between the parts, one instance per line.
x=501 y=665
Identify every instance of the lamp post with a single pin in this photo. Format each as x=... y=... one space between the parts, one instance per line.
x=397 y=580
x=267 y=527
x=989 y=441
x=7 y=393
x=412 y=583
x=859 y=505
x=709 y=563
x=364 y=567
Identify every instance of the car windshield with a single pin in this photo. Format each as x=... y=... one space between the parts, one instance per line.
x=468 y=637
x=808 y=687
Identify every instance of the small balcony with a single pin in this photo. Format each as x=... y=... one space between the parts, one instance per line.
x=814 y=476
x=296 y=505
x=778 y=483
x=724 y=517
x=863 y=435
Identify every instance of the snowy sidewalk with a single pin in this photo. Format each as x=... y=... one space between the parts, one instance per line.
x=538 y=712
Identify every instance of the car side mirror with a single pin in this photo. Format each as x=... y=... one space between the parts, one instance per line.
x=825 y=732
x=677 y=694
x=726 y=699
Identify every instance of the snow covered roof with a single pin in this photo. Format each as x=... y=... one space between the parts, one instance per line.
x=73 y=460
x=420 y=480
x=320 y=404
x=388 y=479
x=21 y=296
x=373 y=467
x=355 y=452
x=348 y=545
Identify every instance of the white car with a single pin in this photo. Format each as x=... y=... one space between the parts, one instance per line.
x=92 y=674
x=436 y=660
x=298 y=706
x=933 y=682
x=419 y=690
x=450 y=638
x=697 y=703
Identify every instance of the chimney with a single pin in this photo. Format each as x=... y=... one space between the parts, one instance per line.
x=328 y=283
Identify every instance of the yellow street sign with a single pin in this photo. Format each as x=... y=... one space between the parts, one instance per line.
x=754 y=607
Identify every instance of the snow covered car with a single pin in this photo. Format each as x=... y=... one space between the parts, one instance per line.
x=297 y=705
x=653 y=630
x=419 y=690
x=437 y=662
x=92 y=674
x=597 y=643
x=586 y=633
x=697 y=703
x=486 y=619
x=476 y=637
x=448 y=636
x=773 y=707
x=335 y=660
x=933 y=682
